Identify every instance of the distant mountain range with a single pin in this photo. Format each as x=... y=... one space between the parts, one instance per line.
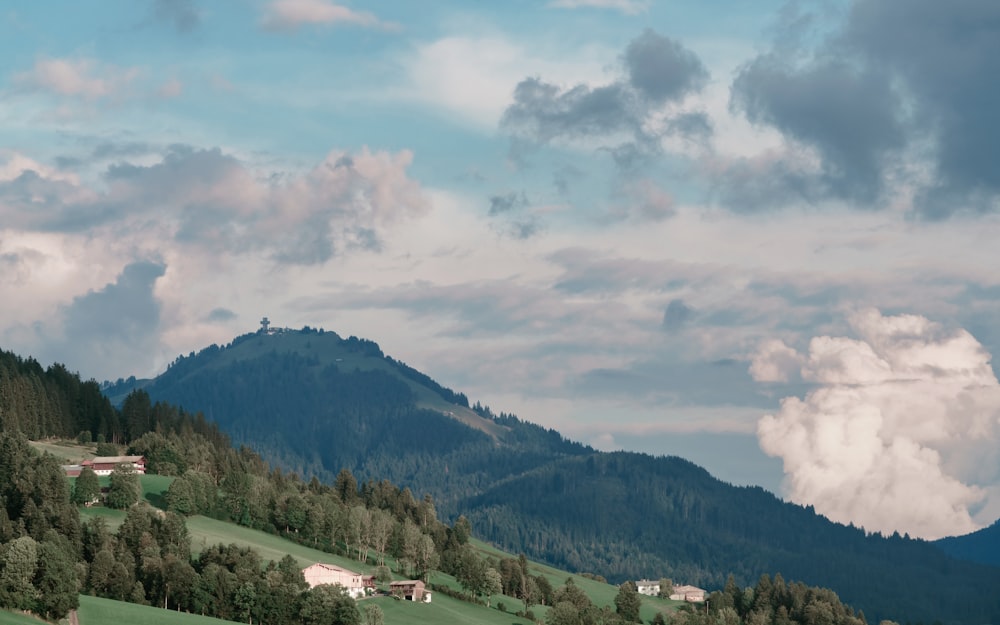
x=313 y=402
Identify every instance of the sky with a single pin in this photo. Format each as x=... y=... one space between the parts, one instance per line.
x=755 y=235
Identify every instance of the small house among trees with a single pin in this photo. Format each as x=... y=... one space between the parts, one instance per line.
x=410 y=590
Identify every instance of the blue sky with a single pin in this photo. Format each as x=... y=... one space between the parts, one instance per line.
x=757 y=235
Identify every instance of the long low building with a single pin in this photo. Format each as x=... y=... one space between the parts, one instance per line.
x=104 y=465
x=691 y=594
x=355 y=584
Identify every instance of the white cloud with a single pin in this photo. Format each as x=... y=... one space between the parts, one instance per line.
x=884 y=440
x=290 y=14
x=474 y=77
x=83 y=78
x=775 y=362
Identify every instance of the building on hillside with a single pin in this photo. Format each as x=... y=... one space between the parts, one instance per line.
x=72 y=470
x=410 y=590
x=104 y=465
x=648 y=587
x=356 y=584
x=691 y=594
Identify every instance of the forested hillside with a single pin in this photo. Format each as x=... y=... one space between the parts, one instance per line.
x=982 y=546
x=577 y=511
x=320 y=403
x=314 y=403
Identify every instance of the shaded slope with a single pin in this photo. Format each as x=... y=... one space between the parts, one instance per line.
x=982 y=546
x=629 y=516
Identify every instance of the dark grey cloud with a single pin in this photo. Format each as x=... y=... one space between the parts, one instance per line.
x=848 y=116
x=544 y=111
x=657 y=71
x=947 y=54
x=509 y=212
x=897 y=83
x=677 y=315
x=661 y=69
x=507 y=202
x=110 y=329
x=182 y=15
x=220 y=315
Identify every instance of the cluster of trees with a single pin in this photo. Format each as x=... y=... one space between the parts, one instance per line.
x=572 y=606
x=771 y=602
x=148 y=562
x=39 y=532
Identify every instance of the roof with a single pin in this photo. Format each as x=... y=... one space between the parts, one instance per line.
x=113 y=460
x=406 y=582
x=331 y=567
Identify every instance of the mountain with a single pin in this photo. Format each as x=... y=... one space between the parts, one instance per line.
x=315 y=403
x=982 y=546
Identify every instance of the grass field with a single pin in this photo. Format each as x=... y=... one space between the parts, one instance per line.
x=206 y=532
x=69 y=452
x=97 y=611
x=442 y=609
x=13 y=618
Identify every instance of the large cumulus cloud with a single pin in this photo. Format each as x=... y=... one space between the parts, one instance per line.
x=897 y=432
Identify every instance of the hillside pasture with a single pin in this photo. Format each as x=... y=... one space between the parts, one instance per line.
x=68 y=452
x=441 y=610
x=98 y=611
x=16 y=618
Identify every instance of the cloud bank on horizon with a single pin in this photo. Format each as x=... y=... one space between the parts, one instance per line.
x=633 y=233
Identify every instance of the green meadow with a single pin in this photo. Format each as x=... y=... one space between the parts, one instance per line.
x=97 y=611
x=14 y=618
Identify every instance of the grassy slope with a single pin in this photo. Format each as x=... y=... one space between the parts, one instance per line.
x=68 y=452
x=14 y=618
x=97 y=611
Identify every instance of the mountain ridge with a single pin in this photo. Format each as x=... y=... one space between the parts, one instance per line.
x=525 y=488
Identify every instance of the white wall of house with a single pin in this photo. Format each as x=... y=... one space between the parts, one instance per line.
x=319 y=573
